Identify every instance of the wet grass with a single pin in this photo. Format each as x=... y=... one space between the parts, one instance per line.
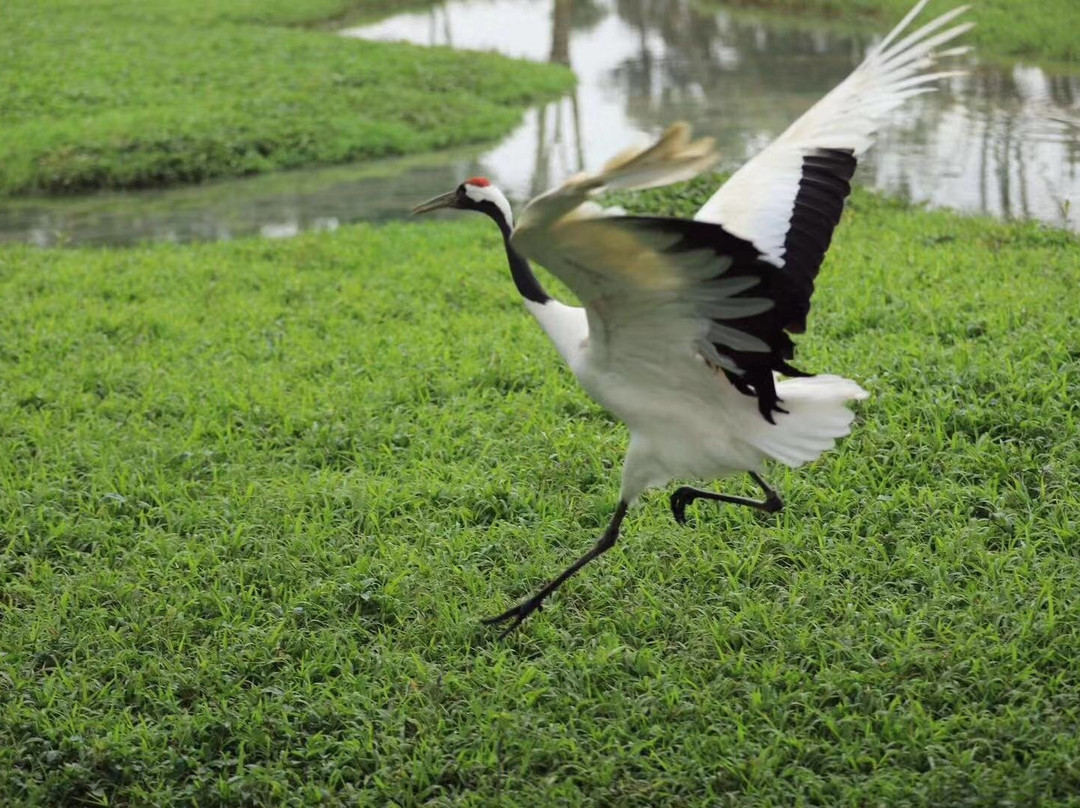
x=255 y=496
x=131 y=95
x=1042 y=30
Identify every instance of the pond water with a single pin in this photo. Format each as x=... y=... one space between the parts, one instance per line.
x=1001 y=140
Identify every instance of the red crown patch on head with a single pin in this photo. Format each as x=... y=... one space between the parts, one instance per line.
x=479 y=182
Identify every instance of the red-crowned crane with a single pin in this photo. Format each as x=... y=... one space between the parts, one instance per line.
x=684 y=329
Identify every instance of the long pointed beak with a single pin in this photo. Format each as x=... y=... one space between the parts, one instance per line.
x=448 y=200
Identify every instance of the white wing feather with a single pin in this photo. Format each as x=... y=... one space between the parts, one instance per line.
x=672 y=158
x=757 y=202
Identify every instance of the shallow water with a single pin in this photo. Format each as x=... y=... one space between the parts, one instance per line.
x=1003 y=141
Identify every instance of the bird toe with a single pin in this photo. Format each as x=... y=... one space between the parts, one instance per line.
x=515 y=614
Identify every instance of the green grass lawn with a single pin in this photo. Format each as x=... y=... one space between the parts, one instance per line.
x=1044 y=30
x=255 y=497
x=135 y=94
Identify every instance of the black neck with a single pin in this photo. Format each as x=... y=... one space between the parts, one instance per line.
x=524 y=279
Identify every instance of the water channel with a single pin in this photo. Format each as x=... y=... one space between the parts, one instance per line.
x=1000 y=140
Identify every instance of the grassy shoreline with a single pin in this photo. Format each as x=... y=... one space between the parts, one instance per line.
x=254 y=497
x=1040 y=30
x=154 y=94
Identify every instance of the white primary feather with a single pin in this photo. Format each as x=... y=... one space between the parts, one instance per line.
x=757 y=202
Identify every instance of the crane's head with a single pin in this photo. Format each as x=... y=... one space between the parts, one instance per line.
x=476 y=194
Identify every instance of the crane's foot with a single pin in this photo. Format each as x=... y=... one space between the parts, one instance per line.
x=686 y=494
x=772 y=503
x=516 y=614
x=679 y=500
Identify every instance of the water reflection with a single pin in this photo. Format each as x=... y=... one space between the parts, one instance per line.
x=273 y=205
x=1000 y=141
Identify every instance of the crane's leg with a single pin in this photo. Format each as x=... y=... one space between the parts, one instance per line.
x=525 y=608
x=685 y=495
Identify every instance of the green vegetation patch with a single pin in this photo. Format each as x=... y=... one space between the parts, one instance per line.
x=255 y=497
x=1035 y=29
x=132 y=95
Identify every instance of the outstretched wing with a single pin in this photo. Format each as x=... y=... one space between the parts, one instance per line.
x=787 y=199
x=660 y=288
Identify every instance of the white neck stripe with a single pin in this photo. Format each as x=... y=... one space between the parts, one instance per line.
x=489 y=193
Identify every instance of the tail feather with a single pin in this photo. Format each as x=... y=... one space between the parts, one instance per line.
x=817 y=416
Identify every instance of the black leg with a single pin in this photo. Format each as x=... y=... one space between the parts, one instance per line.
x=685 y=495
x=535 y=603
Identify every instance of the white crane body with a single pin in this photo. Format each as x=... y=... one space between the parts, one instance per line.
x=686 y=420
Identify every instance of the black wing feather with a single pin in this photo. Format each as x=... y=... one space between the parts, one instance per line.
x=823 y=187
x=754 y=374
